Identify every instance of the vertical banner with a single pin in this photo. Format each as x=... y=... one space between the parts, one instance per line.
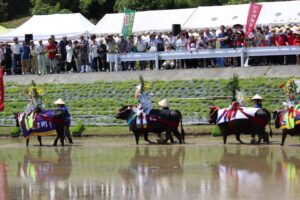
x=128 y=22
x=3 y=181
x=253 y=14
x=1 y=90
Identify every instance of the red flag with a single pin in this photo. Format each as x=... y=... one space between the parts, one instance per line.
x=253 y=14
x=1 y=90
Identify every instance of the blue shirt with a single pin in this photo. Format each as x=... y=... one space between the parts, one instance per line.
x=25 y=52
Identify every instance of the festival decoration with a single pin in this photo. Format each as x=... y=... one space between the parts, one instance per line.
x=290 y=90
x=233 y=86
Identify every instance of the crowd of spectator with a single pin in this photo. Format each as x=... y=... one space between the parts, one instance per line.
x=90 y=54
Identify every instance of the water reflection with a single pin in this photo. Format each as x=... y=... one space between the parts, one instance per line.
x=290 y=172
x=3 y=181
x=152 y=173
x=45 y=176
x=238 y=168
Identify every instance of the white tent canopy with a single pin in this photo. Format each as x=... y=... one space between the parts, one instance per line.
x=160 y=20
x=43 y=26
x=110 y=24
x=272 y=13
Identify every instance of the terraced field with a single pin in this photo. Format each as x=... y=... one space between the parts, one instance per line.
x=97 y=103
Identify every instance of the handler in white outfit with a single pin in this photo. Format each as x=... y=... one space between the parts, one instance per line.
x=69 y=49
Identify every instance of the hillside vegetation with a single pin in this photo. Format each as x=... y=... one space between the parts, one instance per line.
x=97 y=103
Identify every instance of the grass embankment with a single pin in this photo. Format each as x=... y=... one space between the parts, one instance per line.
x=15 y=22
x=95 y=105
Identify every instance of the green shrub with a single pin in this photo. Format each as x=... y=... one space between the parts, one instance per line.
x=78 y=129
x=216 y=132
x=15 y=131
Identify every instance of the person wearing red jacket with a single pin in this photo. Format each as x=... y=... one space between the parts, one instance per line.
x=297 y=43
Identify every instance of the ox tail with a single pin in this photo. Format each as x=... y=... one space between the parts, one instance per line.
x=182 y=130
x=271 y=132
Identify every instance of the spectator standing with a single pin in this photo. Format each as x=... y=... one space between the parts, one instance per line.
x=84 y=54
x=16 y=56
x=1 y=55
x=171 y=40
x=192 y=47
x=94 y=53
x=223 y=40
x=33 y=58
x=70 y=58
x=169 y=64
x=181 y=45
x=202 y=44
x=297 y=43
x=7 y=58
x=290 y=59
x=63 y=53
x=211 y=43
x=111 y=49
x=131 y=48
x=52 y=51
x=76 y=54
x=41 y=58
x=152 y=47
x=25 y=58
x=141 y=47
x=122 y=46
x=281 y=41
x=102 y=52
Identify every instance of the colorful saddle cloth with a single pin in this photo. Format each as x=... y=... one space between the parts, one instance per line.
x=39 y=124
x=227 y=115
x=290 y=118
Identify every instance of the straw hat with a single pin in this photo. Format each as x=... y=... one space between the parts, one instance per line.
x=257 y=97
x=164 y=103
x=59 y=102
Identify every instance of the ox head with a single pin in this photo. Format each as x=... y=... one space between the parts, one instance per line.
x=124 y=112
x=213 y=114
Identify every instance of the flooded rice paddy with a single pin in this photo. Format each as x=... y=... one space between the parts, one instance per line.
x=115 y=168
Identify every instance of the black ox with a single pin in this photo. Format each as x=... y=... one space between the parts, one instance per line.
x=254 y=125
x=161 y=121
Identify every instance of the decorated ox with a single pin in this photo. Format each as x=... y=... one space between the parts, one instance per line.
x=241 y=120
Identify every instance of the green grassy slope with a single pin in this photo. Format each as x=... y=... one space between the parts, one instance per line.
x=96 y=104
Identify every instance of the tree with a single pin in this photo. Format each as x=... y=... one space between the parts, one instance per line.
x=3 y=11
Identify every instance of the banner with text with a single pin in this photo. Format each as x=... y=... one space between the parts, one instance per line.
x=128 y=23
x=253 y=14
x=1 y=90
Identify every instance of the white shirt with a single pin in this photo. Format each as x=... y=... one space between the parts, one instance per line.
x=69 y=50
x=140 y=45
x=15 y=48
x=40 y=50
x=33 y=50
x=93 y=50
x=181 y=44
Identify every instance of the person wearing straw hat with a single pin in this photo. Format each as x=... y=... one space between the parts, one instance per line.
x=257 y=99
x=164 y=104
x=61 y=106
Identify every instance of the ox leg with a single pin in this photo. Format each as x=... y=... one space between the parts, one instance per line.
x=224 y=138
x=146 y=138
x=238 y=138
x=55 y=141
x=178 y=135
x=284 y=134
x=40 y=140
x=27 y=142
x=137 y=137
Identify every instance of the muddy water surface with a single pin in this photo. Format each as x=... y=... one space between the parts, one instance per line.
x=118 y=169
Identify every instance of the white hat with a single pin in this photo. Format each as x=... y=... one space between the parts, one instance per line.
x=257 y=97
x=164 y=103
x=59 y=102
